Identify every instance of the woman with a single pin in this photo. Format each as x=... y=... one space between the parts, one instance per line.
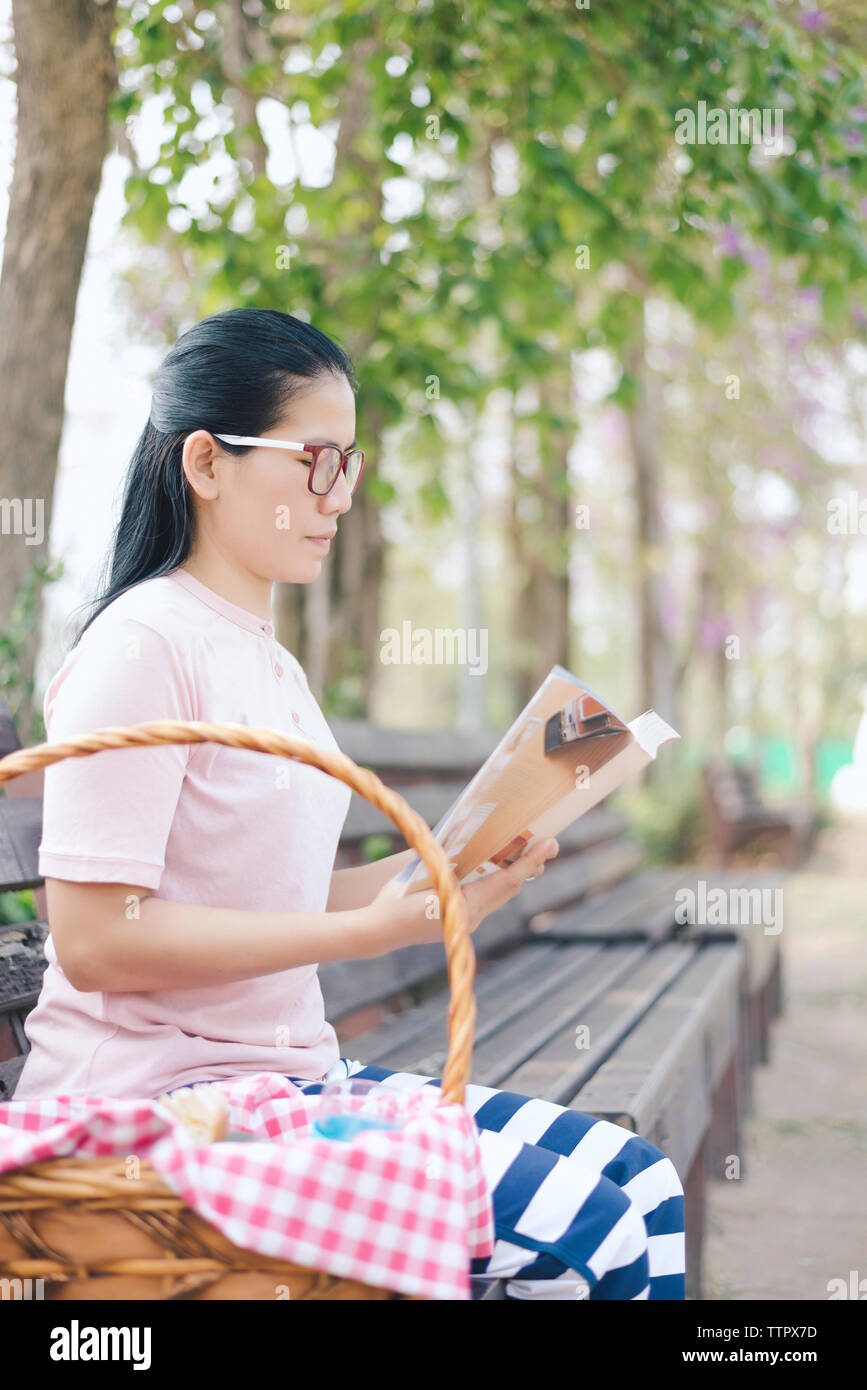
x=191 y=888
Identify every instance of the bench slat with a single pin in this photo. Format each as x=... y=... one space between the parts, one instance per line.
x=558 y=1070
x=659 y=1081
x=575 y=985
x=22 y=965
x=505 y=1018
x=437 y=750
x=515 y=1015
x=762 y=947
x=351 y=985
x=593 y=828
x=433 y=799
x=20 y=836
x=652 y=914
x=571 y=876
x=423 y=1027
x=9 y=1074
x=9 y=740
x=643 y=906
x=430 y=799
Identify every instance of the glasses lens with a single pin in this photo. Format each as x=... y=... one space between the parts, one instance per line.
x=328 y=466
x=354 y=461
x=326 y=470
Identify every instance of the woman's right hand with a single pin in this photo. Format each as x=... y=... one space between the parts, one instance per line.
x=415 y=919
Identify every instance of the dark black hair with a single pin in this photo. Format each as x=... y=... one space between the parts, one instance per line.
x=233 y=373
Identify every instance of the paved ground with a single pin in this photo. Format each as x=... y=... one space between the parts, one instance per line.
x=798 y=1217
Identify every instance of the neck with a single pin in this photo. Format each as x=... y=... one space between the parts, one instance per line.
x=238 y=586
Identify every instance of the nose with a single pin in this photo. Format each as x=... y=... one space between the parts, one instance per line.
x=339 y=499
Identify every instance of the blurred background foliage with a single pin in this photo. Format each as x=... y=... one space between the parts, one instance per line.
x=609 y=382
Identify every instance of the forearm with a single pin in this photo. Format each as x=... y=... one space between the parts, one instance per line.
x=357 y=887
x=173 y=945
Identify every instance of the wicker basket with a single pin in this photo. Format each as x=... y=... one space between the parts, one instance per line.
x=77 y=1224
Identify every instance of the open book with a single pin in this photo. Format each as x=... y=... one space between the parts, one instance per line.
x=565 y=752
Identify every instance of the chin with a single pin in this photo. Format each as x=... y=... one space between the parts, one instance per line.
x=301 y=571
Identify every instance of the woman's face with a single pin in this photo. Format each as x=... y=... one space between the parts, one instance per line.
x=257 y=509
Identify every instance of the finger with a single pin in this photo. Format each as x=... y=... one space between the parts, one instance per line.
x=495 y=889
x=488 y=894
x=532 y=863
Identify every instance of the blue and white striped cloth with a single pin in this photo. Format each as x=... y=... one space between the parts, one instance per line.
x=583 y=1208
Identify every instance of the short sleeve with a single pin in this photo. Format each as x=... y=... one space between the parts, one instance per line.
x=107 y=816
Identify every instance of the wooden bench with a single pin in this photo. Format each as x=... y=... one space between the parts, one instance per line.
x=757 y=925
x=738 y=817
x=668 y=1011
x=675 y=1014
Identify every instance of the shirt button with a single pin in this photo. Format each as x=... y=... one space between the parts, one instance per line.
x=268 y=629
x=296 y=717
x=278 y=669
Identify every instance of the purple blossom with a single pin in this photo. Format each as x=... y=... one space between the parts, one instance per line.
x=613 y=427
x=780 y=459
x=813 y=20
x=668 y=609
x=797 y=338
x=712 y=631
x=795 y=470
x=579 y=573
x=852 y=138
x=730 y=241
x=757 y=601
x=776 y=458
x=758 y=541
x=858 y=113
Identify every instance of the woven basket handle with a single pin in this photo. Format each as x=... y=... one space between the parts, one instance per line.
x=459 y=950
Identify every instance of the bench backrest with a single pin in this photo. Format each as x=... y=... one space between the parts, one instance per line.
x=429 y=770
x=733 y=789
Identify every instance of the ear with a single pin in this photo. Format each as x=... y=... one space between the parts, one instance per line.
x=199 y=454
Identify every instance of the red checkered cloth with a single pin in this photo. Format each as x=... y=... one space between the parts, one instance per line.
x=402 y=1209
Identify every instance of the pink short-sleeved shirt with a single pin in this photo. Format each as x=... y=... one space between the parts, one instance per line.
x=195 y=823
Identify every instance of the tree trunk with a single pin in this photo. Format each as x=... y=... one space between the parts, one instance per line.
x=289 y=619
x=65 y=78
x=721 y=666
x=656 y=674
x=337 y=631
x=471 y=687
x=317 y=624
x=541 y=556
x=355 y=579
x=243 y=44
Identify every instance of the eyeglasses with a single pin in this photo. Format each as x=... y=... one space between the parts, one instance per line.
x=325 y=465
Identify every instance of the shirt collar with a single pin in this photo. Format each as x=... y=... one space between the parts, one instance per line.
x=242 y=617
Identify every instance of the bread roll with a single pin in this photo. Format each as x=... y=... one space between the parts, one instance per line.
x=203 y=1108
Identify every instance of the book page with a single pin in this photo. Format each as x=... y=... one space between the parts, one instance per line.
x=523 y=793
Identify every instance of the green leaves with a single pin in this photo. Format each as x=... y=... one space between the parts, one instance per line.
x=539 y=201
x=626 y=392
x=836 y=299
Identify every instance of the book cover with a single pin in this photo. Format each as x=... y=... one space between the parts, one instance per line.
x=566 y=751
